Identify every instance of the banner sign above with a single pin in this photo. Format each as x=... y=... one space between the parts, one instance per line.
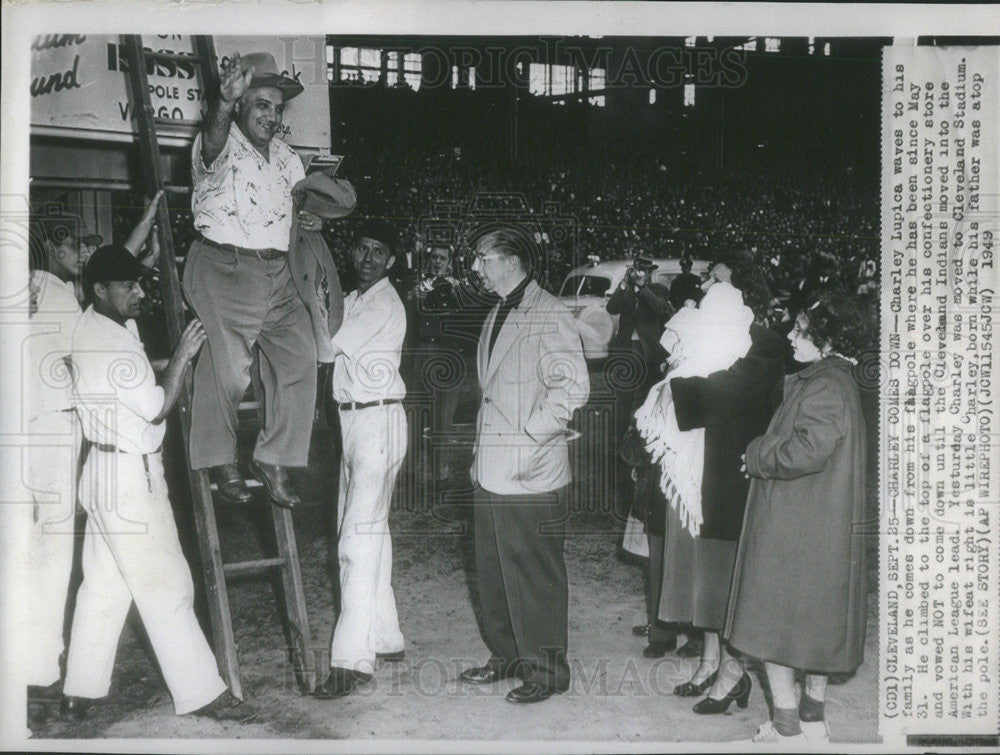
x=79 y=85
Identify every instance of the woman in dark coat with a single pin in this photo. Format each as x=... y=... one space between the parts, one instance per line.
x=733 y=406
x=798 y=595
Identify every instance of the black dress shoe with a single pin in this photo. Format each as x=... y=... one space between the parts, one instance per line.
x=641 y=630
x=689 y=689
x=486 y=674
x=395 y=657
x=530 y=692
x=75 y=708
x=340 y=682
x=740 y=693
x=230 y=484
x=659 y=649
x=276 y=484
x=227 y=707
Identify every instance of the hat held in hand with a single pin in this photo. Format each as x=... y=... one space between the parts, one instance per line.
x=266 y=74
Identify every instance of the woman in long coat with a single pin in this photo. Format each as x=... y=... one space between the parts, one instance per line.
x=798 y=597
x=733 y=406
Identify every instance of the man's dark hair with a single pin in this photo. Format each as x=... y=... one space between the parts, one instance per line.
x=686 y=264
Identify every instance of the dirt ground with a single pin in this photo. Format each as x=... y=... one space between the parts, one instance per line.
x=616 y=696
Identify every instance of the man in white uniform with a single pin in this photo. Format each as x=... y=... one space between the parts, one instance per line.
x=52 y=457
x=131 y=551
x=369 y=390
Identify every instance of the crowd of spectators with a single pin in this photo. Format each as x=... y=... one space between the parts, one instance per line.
x=805 y=227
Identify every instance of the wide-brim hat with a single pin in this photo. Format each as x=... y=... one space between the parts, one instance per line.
x=266 y=74
x=644 y=261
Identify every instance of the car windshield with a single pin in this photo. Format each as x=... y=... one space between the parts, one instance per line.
x=585 y=285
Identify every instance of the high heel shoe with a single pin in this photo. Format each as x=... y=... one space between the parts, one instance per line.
x=690 y=689
x=740 y=693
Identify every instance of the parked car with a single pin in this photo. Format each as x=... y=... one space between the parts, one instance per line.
x=586 y=290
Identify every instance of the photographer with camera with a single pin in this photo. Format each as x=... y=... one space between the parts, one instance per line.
x=643 y=308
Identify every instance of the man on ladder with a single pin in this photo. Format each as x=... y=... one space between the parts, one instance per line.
x=237 y=279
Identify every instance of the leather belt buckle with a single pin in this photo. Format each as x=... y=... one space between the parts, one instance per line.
x=270 y=253
x=348 y=406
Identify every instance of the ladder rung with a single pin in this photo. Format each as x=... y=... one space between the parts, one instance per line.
x=260 y=563
x=175 y=122
x=251 y=483
x=155 y=55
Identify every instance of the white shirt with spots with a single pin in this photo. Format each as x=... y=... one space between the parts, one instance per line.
x=243 y=199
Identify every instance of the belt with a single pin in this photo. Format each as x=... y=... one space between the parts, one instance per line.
x=351 y=405
x=264 y=254
x=109 y=449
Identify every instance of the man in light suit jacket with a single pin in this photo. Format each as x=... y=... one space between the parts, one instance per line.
x=533 y=375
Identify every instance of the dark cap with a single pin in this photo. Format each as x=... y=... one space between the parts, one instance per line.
x=378 y=229
x=111 y=263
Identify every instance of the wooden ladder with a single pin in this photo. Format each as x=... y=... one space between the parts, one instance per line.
x=287 y=560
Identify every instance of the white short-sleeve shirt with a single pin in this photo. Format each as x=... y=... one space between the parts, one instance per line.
x=114 y=387
x=241 y=198
x=371 y=337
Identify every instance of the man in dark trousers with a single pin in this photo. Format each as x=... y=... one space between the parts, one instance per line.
x=643 y=308
x=533 y=376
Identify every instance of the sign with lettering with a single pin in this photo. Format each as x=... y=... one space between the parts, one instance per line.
x=79 y=85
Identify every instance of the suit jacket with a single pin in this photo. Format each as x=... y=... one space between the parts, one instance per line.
x=310 y=263
x=531 y=384
x=644 y=312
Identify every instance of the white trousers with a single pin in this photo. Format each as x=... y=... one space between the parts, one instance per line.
x=374 y=444
x=51 y=473
x=131 y=552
